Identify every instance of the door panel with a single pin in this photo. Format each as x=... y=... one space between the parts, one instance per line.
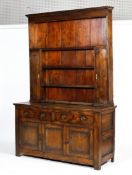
x=53 y=138
x=80 y=142
x=30 y=135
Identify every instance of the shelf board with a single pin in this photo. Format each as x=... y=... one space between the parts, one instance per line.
x=67 y=67
x=70 y=86
x=68 y=48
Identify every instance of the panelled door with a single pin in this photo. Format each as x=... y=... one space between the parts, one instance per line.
x=30 y=133
x=80 y=142
x=57 y=139
x=68 y=140
x=52 y=138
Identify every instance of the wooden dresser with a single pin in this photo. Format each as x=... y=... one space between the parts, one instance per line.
x=70 y=116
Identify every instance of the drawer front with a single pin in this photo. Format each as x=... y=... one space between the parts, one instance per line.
x=82 y=118
x=73 y=117
x=35 y=113
x=29 y=113
x=57 y=116
x=66 y=117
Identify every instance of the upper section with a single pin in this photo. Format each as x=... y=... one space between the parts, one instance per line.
x=86 y=13
x=13 y=11
x=71 y=56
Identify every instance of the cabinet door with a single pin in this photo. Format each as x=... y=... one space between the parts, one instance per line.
x=80 y=142
x=30 y=135
x=53 y=138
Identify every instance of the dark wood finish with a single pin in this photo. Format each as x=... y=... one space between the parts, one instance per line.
x=66 y=67
x=35 y=76
x=97 y=143
x=82 y=134
x=80 y=142
x=53 y=132
x=68 y=48
x=69 y=86
x=71 y=114
x=29 y=135
x=87 y=13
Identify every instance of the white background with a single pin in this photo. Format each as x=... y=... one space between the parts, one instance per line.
x=14 y=87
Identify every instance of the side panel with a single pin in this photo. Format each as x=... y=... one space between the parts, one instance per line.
x=102 y=76
x=35 y=86
x=37 y=35
x=108 y=136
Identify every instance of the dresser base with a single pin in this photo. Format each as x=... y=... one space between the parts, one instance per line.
x=83 y=135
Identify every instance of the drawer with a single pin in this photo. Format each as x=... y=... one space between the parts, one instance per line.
x=29 y=113
x=82 y=118
x=65 y=117
x=45 y=115
x=73 y=117
x=36 y=113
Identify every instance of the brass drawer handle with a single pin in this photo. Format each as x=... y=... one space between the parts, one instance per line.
x=42 y=115
x=82 y=118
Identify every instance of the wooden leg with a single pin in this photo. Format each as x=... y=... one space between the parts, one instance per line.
x=97 y=167
x=18 y=154
x=97 y=141
x=112 y=159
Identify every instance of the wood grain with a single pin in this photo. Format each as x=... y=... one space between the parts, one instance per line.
x=71 y=115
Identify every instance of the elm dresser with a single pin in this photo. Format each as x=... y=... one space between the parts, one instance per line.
x=71 y=114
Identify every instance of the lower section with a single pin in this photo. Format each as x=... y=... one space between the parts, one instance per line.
x=55 y=156
x=83 y=136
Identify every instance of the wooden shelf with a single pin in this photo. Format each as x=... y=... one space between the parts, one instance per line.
x=67 y=67
x=70 y=86
x=69 y=48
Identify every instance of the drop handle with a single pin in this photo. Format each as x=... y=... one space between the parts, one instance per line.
x=38 y=75
x=96 y=76
x=42 y=115
x=82 y=118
